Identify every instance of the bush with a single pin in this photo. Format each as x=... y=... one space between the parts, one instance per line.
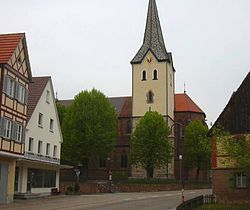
x=77 y=187
x=120 y=176
x=69 y=190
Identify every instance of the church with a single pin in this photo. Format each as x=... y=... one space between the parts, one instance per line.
x=153 y=89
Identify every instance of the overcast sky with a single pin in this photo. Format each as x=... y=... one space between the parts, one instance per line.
x=84 y=44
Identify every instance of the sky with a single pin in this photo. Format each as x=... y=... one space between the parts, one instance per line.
x=89 y=44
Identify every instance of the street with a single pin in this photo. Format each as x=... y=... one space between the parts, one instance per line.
x=167 y=200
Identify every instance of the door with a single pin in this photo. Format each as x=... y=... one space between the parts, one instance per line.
x=3 y=182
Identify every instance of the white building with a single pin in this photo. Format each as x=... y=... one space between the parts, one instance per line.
x=38 y=171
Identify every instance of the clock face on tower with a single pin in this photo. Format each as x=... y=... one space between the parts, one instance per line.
x=149 y=59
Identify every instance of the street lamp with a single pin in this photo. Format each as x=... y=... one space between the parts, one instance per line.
x=109 y=172
x=180 y=158
x=179 y=138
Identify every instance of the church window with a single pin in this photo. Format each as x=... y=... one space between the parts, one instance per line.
x=128 y=127
x=124 y=160
x=150 y=97
x=144 y=75
x=155 y=75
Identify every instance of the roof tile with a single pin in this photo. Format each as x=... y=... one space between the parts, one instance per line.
x=183 y=103
x=8 y=44
x=36 y=89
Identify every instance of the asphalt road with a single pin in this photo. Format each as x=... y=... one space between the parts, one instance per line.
x=167 y=200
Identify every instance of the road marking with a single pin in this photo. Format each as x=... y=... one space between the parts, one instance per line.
x=143 y=197
x=191 y=192
x=128 y=199
x=156 y=196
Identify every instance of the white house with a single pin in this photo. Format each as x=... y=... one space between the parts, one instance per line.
x=38 y=171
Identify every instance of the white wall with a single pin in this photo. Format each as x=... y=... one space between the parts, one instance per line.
x=43 y=133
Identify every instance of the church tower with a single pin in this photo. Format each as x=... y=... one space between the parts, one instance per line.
x=153 y=82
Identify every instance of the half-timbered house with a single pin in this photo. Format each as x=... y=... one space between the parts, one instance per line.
x=15 y=77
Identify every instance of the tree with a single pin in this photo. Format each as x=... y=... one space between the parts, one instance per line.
x=61 y=109
x=238 y=150
x=150 y=146
x=89 y=128
x=197 y=147
x=234 y=147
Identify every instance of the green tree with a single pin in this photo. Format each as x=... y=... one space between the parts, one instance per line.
x=61 y=109
x=197 y=147
x=89 y=128
x=238 y=149
x=235 y=147
x=150 y=146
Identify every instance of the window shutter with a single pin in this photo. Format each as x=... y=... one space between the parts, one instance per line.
x=23 y=134
x=5 y=84
x=1 y=126
x=14 y=131
x=17 y=86
x=26 y=96
x=232 y=180
x=248 y=178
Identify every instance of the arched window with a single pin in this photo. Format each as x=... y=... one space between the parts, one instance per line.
x=155 y=75
x=150 y=97
x=128 y=127
x=144 y=75
x=124 y=160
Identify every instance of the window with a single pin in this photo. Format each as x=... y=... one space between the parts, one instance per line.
x=21 y=93
x=170 y=78
x=144 y=76
x=40 y=147
x=7 y=128
x=47 y=96
x=55 y=151
x=51 y=125
x=241 y=180
x=124 y=160
x=128 y=127
x=47 y=149
x=102 y=163
x=40 y=120
x=42 y=178
x=9 y=86
x=31 y=144
x=150 y=97
x=155 y=75
x=19 y=132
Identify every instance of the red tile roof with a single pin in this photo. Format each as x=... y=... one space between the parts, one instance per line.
x=8 y=44
x=127 y=108
x=36 y=89
x=183 y=103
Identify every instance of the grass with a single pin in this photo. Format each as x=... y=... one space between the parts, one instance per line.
x=224 y=206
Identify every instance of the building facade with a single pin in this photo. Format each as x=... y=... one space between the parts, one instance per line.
x=38 y=171
x=14 y=83
x=231 y=184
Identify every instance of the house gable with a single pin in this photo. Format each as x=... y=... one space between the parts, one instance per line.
x=48 y=130
x=14 y=54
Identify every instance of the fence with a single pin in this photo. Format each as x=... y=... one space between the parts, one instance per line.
x=196 y=202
